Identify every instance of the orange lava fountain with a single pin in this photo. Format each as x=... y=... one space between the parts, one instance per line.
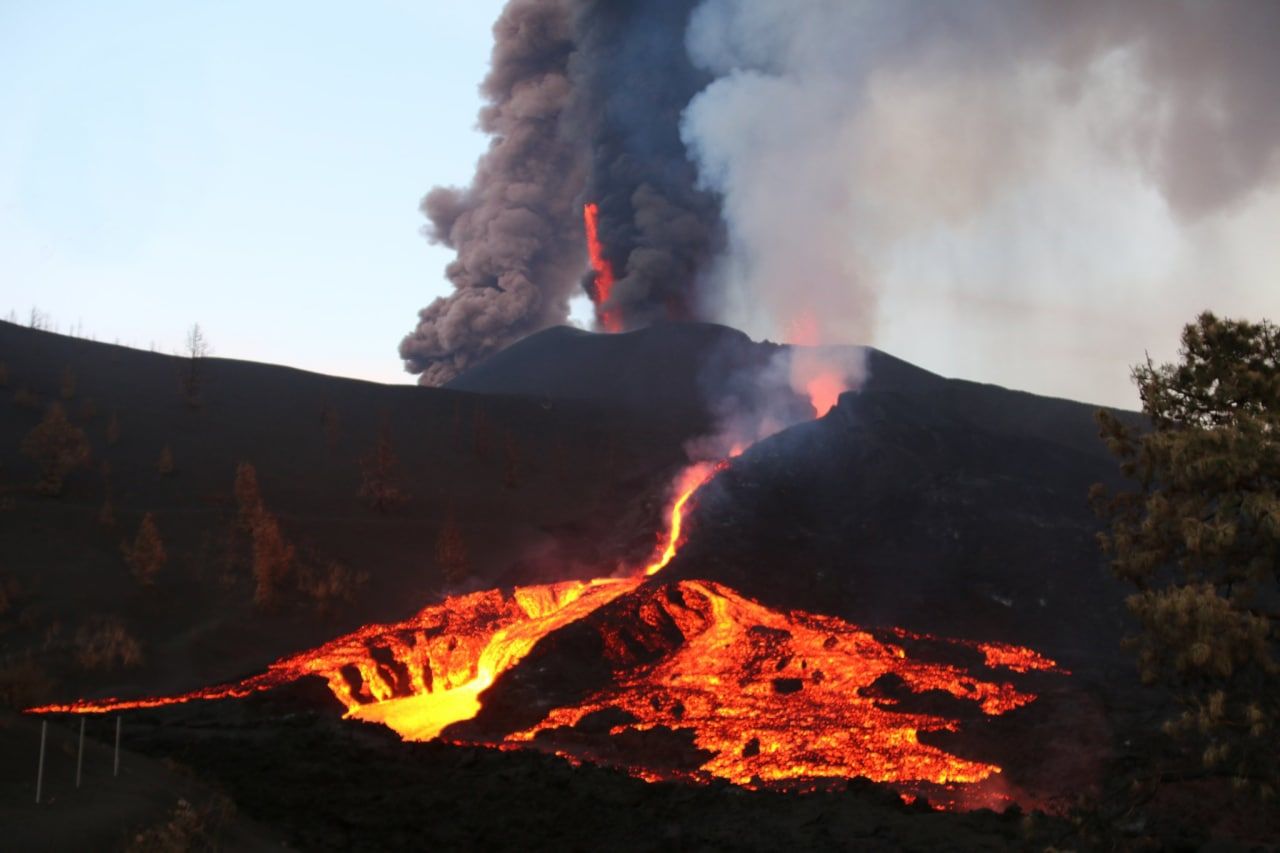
x=769 y=696
x=604 y=278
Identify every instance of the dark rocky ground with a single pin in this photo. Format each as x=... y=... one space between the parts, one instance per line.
x=941 y=506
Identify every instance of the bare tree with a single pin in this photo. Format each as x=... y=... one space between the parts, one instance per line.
x=197 y=348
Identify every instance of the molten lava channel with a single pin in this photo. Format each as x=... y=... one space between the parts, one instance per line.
x=770 y=696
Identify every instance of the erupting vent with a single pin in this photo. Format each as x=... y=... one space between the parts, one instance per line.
x=602 y=284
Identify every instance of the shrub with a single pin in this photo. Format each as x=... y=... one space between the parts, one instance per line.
x=105 y=644
x=58 y=447
x=272 y=559
x=378 y=486
x=451 y=552
x=23 y=682
x=333 y=585
x=25 y=398
x=146 y=556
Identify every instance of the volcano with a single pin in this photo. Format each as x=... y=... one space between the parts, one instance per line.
x=903 y=589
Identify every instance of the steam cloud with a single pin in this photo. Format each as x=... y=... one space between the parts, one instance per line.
x=886 y=169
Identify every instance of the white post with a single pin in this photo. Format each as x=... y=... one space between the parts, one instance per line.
x=44 y=733
x=116 y=770
x=80 y=754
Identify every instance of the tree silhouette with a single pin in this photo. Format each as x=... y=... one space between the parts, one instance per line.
x=146 y=556
x=451 y=552
x=273 y=555
x=1200 y=541
x=272 y=560
x=58 y=448
x=379 y=473
x=197 y=349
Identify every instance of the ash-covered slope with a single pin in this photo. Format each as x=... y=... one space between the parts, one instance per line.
x=938 y=504
x=678 y=372
x=538 y=491
x=958 y=509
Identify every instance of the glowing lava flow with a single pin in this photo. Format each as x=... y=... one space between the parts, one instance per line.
x=774 y=696
x=423 y=674
x=604 y=277
x=767 y=696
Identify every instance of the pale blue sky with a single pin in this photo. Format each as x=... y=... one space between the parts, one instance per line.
x=254 y=167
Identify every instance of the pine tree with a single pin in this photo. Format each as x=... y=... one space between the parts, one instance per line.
x=1200 y=541
x=378 y=486
x=146 y=556
x=451 y=553
x=272 y=560
x=58 y=447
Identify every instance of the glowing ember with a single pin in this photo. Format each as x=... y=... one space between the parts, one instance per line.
x=604 y=278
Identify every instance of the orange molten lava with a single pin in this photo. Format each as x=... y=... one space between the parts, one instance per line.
x=603 y=284
x=778 y=696
x=769 y=696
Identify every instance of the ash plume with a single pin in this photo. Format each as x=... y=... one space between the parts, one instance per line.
x=514 y=228
x=951 y=181
x=583 y=104
x=659 y=229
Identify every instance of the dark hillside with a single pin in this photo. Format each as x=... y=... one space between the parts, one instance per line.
x=521 y=476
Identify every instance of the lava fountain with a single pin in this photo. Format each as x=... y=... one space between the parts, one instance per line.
x=602 y=283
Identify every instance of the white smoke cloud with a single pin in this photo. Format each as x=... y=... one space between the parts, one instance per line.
x=1028 y=192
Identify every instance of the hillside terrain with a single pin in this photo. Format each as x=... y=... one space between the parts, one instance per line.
x=938 y=506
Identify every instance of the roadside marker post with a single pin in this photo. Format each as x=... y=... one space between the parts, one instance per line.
x=44 y=734
x=80 y=753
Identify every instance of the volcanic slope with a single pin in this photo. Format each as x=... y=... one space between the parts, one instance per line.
x=937 y=504
x=536 y=490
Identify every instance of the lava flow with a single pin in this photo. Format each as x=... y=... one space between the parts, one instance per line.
x=603 y=282
x=773 y=696
x=764 y=696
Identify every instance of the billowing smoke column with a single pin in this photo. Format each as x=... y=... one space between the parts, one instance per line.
x=658 y=230
x=963 y=169
x=518 y=240
x=584 y=104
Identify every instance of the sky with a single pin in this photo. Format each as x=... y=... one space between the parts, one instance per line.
x=257 y=167
x=252 y=167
